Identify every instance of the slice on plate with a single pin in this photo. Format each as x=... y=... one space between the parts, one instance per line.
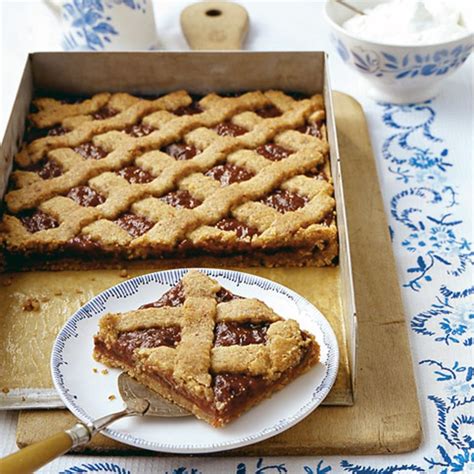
x=214 y=353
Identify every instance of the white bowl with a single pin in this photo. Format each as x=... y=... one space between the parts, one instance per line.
x=396 y=73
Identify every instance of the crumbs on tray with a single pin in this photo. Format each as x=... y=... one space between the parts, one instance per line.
x=31 y=304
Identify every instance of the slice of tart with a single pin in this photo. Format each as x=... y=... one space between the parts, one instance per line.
x=206 y=349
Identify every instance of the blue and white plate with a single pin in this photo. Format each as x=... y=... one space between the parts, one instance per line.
x=87 y=392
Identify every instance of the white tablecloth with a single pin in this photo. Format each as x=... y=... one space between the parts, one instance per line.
x=425 y=161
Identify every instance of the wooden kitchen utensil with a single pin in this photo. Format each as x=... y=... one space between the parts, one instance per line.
x=215 y=25
x=139 y=401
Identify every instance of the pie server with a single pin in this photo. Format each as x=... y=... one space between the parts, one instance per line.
x=139 y=401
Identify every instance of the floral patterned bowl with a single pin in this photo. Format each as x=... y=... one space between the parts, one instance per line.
x=397 y=74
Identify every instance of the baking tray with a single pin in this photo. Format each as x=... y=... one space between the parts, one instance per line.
x=151 y=73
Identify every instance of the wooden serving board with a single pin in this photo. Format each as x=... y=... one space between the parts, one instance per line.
x=385 y=417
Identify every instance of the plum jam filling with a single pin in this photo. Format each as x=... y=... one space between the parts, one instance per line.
x=229 y=174
x=37 y=220
x=230 y=333
x=242 y=230
x=234 y=391
x=148 y=338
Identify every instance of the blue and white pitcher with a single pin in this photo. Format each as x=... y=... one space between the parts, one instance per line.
x=106 y=25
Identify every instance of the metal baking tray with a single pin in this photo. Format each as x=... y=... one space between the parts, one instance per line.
x=151 y=73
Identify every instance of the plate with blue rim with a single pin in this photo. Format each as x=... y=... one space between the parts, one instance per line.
x=89 y=389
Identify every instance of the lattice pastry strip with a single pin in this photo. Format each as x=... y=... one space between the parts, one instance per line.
x=200 y=336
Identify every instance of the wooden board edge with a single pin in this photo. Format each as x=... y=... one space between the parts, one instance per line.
x=394 y=440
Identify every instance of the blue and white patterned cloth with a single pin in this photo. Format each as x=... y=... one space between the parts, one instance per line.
x=424 y=156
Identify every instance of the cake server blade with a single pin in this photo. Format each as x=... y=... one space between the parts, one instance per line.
x=131 y=390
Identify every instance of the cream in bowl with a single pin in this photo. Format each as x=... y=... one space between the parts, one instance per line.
x=403 y=48
x=410 y=23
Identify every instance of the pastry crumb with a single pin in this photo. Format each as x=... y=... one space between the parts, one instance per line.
x=44 y=299
x=124 y=273
x=7 y=281
x=104 y=371
x=5 y=389
x=23 y=399
x=58 y=293
x=95 y=370
x=79 y=291
x=31 y=304
x=112 y=397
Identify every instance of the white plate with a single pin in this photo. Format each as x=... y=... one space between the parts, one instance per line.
x=86 y=392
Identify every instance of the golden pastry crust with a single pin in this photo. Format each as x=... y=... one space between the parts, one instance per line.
x=197 y=355
x=278 y=200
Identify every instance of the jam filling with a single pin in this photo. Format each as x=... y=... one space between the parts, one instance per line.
x=83 y=244
x=231 y=94
x=133 y=224
x=71 y=100
x=180 y=151
x=37 y=220
x=328 y=219
x=229 y=129
x=191 y=109
x=269 y=111
x=173 y=297
x=234 y=390
x=228 y=174
x=138 y=130
x=317 y=173
x=32 y=133
x=297 y=95
x=90 y=152
x=273 y=152
x=230 y=333
x=310 y=129
x=223 y=296
x=238 y=227
x=57 y=131
x=284 y=201
x=104 y=113
x=135 y=175
x=46 y=169
x=85 y=196
x=181 y=198
x=148 y=338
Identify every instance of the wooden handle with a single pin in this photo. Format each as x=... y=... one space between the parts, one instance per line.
x=215 y=25
x=32 y=457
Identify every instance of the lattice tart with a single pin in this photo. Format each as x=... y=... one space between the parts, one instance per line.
x=115 y=177
x=213 y=353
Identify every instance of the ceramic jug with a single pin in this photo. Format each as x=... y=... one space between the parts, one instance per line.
x=106 y=25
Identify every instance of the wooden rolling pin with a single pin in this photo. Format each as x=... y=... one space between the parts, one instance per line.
x=215 y=25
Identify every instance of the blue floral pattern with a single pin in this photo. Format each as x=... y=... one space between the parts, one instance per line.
x=450 y=320
x=91 y=26
x=380 y=63
x=96 y=467
x=428 y=233
x=425 y=205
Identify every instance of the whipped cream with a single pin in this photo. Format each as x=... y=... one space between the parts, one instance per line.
x=413 y=22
